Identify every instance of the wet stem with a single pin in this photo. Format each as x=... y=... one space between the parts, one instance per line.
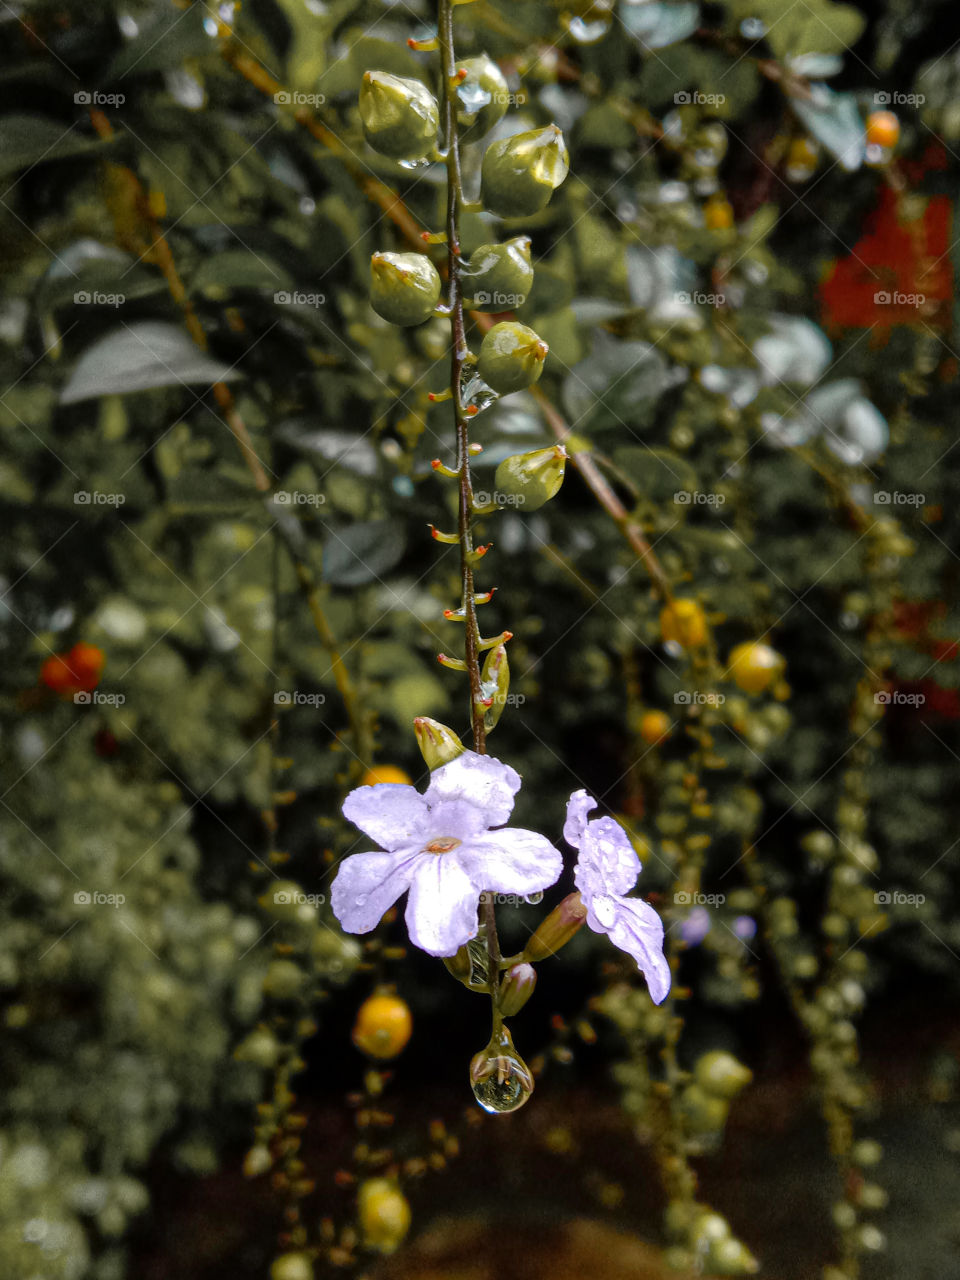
x=458 y=353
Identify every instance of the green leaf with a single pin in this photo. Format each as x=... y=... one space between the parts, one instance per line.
x=613 y=384
x=657 y=23
x=811 y=26
x=363 y=552
x=28 y=140
x=495 y=683
x=140 y=357
x=218 y=275
x=173 y=36
x=834 y=119
x=657 y=473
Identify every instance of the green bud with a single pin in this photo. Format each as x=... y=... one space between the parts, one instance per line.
x=532 y=478
x=732 y=1258
x=292 y=1266
x=283 y=980
x=499 y=276
x=287 y=902
x=495 y=683
x=260 y=1047
x=556 y=929
x=438 y=744
x=520 y=174
x=404 y=287
x=482 y=96
x=703 y=1113
x=721 y=1075
x=511 y=357
x=400 y=117
x=516 y=988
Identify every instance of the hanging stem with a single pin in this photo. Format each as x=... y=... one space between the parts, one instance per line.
x=458 y=354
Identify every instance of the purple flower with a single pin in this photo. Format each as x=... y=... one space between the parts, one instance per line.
x=607 y=868
x=440 y=847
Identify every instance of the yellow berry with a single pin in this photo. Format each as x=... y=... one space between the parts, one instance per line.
x=292 y=1266
x=883 y=129
x=718 y=214
x=385 y=773
x=802 y=154
x=383 y=1026
x=384 y=1214
x=754 y=666
x=683 y=622
x=654 y=726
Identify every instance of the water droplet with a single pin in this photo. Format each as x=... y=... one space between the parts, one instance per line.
x=414 y=164
x=589 y=32
x=360 y=899
x=753 y=28
x=534 y=898
x=210 y=26
x=500 y=1078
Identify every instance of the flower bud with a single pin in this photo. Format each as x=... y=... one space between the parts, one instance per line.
x=400 y=117
x=731 y=1257
x=404 y=287
x=283 y=980
x=520 y=173
x=556 y=930
x=516 y=988
x=384 y=1214
x=703 y=1113
x=532 y=478
x=499 y=276
x=511 y=357
x=500 y=1078
x=482 y=95
x=438 y=744
x=287 y=902
x=720 y=1075
x=684 y=623
x=260 y=1047
x=291 y=1266
x=754 y=667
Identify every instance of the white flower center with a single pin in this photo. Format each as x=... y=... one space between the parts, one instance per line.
x=443 y=845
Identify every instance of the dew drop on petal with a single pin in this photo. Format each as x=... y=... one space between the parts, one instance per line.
x=360 y=899
x=534 y=898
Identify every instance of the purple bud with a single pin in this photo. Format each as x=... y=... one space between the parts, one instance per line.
x=745 y=927
x=696 y=926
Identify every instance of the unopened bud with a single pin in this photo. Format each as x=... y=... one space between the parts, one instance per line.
x=499 y=276
x=517 y=987
x=404 y=287
x=532 y=478
x=556 y=930
x=521 y=173
x=438 y=744
x=400 y=117
x=291 y=1266
x=511 y=357
x=482 y=95
x=731 y=1257
x=721 y=1075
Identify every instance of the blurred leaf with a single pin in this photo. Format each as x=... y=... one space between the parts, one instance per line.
x=28 y=140
x=139 y=357
x=834 y=119
x=812 y=26
x=363 y=552
x=657 y=23
x=615 y=382
x=172 y=36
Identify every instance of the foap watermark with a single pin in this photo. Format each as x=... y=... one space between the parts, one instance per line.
x=895 y=498
x=94 y=98
x=511 y=899
x=298 y=498
x=283 y=298
x=297 y=698
x=697 y=698
x=96 y=698
x=897 y=698
x=897 y=99
x=94 y=498
x=697 y=99
x=94 y=298
x=294 y=98
x=886 y=298
x=701 y=299
x=687 y=898
x=695 y=498
x=499 y=499
x=894 y=898
x=505 y=301
x=518 y=99
x=293 y=897
x=94 y=898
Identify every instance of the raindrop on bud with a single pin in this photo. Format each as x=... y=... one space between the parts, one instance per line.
x=500 y=1078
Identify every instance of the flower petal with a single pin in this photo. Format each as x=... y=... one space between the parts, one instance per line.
x=578 y=806
x=606 y=853
x=368 y=884
x=488 y=784
x=442 y=906
x=392 y=813
x=511 y=860
x=638 y=930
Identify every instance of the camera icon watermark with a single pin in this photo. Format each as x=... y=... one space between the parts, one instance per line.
x=884 y=298
x=297 y=698
x=290 y=897
x=694 y=497
x=894 y=898
x=284 y=298
x=293 y=98
x=94 y=98
x=94 y=698
x=697 y=99
x=86 y=898
x=499 y=499
x=895 y=498
x=897 y=99
x=503 y=301
x=298 y=498
x=688 y=898
x=697 y=698
x=94 y=498
x=83 y=298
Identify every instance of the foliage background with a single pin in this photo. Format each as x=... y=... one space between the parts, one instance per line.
x=120 y=1023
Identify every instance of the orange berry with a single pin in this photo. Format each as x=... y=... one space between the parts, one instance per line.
x=718 y=214
x=383 y=1026
x=883 y=129
x=78 y=670
x=385 y=773
x=654 y=726
x=683 y=622
x=754 y=666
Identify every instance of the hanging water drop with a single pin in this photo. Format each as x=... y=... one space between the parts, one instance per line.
x=500 y=1078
